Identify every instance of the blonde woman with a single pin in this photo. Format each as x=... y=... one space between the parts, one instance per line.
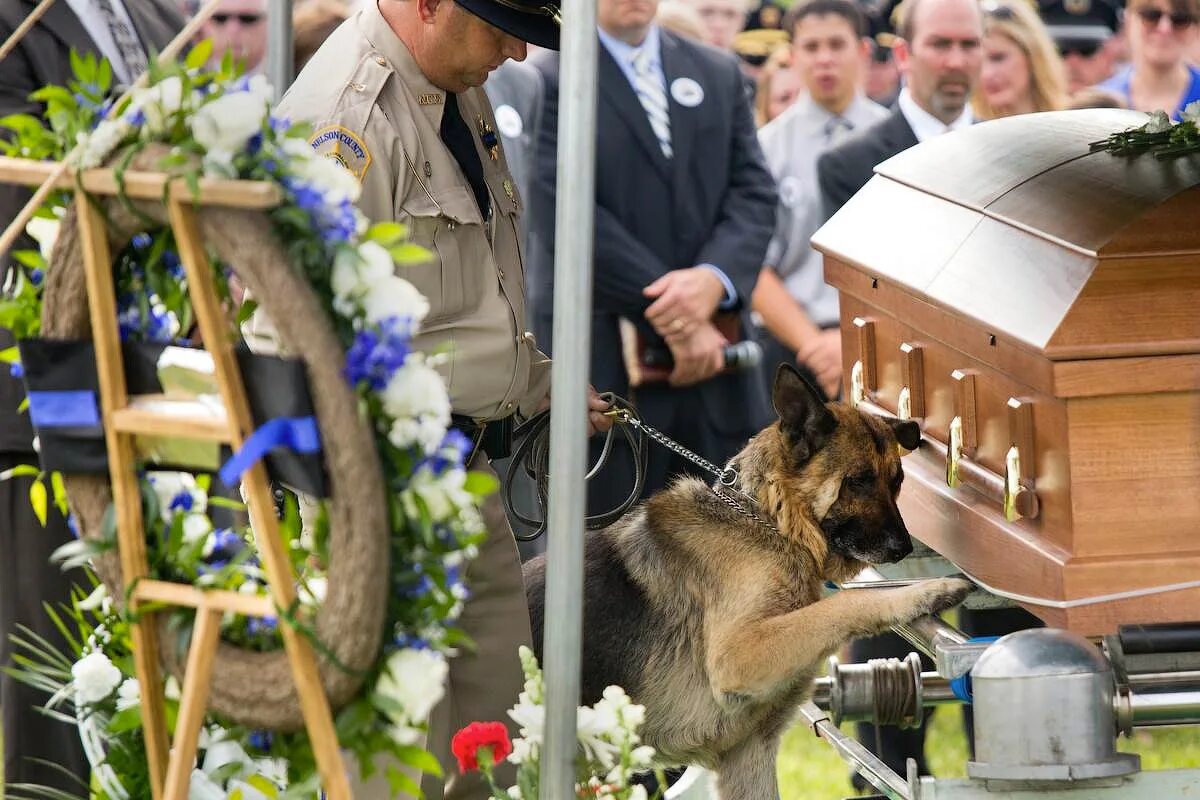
x=779 y=84
x=1160 y=32
x=1022 y=71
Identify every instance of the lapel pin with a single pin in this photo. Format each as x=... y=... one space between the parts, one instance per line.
x=487 y=135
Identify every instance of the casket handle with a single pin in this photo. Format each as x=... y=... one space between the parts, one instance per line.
x=954 y=453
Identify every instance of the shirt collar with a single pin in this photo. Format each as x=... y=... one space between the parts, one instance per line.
x=925 y=125
x=384 y=41
x=622 y=52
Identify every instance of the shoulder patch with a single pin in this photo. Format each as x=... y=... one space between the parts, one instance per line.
x=347 y=149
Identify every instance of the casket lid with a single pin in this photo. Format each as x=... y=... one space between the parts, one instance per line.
x=1014 y=223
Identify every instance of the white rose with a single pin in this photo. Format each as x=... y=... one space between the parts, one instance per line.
x=329 y=177
x=159 y=102
x=170 y=485
x=219 y=754
x=94 y=677
x=356 y=271
x=1159 y=122
x=394 y=297
x=416 y=392
x=202 y=787
x=129 y=694
x=261 y=88
x=228 y=123
x=45 y=233
x=415 y=680
x=1191 y=112
x=443 y=494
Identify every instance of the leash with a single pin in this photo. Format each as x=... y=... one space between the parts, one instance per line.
x=532 y=454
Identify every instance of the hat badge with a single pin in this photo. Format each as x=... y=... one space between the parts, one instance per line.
x=487 y=135
x=1077 y=7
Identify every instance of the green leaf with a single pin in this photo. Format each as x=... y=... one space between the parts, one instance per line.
x=104 y=77
x=246 y=311
x=264 y=785
x=59 y=491
x=78 y=67
x=481 y=484
x=10 y=355
x=386 y=233
x=409 y=254
x=37 y=499
x=20 y=471
x=198 y=56
x=29 y=258
x=419 y=758
x=127 y=720
x=354 y=719
x=55 y=94
x=401 y=784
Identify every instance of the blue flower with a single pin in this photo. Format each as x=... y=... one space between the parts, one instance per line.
x=256 y=626
x=73 y=525
x=141 y=241
x=255 y=143
x=279 y=124
x=182 y=501
x=261 y=740
x=376 y=354
x=173 y=265
x=137 y=119
x=35 y=276
x=16 y=370
x=451 y=453
x=406 y=641
x=226 y=543
x=335 y=222
x=422 y=587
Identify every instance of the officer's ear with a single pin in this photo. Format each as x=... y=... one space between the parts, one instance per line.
x=427 y=10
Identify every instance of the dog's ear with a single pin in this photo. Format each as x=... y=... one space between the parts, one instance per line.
x=908 y=433
x=803 y=417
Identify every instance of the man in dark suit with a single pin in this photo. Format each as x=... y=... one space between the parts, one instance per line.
x=939 y=58
x=126 y=33
x=684 y=210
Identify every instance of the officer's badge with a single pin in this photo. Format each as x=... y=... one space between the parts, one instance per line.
x=337 y=143
x=430 y=99
x=487 y=135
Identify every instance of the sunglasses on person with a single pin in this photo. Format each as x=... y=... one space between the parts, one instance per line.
x=244 y=19
x=1152 y=16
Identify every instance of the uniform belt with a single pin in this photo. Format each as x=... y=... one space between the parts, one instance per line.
x=493 y=436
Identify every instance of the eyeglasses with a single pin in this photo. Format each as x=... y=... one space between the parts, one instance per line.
x=244 y=19
x=1152 y=16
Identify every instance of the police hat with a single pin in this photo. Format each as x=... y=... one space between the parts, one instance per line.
x=533 y=21
x=1080 y=24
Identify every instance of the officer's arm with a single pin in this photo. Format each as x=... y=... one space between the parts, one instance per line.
x=747 y=217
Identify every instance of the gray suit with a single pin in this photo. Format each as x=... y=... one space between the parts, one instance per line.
x=27 y=579
x=515 y=90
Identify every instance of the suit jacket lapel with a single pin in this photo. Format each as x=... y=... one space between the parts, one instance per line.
x=615 y=87
x=62 y=22
x=677 y=63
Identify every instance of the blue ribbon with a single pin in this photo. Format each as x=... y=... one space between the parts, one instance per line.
x=961 y=686
x=67 y=409
x=298 y=434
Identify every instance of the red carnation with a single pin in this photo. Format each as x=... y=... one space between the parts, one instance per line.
x=467 y=743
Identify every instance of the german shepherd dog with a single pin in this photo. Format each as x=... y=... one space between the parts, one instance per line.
x=714 y=621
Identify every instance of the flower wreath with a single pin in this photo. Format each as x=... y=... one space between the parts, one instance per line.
x=194 y=123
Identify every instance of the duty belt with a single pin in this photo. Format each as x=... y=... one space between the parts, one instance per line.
x=493 y=436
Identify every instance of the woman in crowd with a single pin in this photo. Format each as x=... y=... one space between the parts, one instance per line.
x=1022 y=71
x=779 y=84
x=1160 y=33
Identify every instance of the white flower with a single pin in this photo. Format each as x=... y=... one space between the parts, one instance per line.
x=221 y=753
x=202 y=787
x=94 y=600
x=94 y=678
x=261 y=88
x=313 y=590
x=97 y=145
x=443 y=494
x=129 y=694
x=1159 y=122
x=416 y=392
x=1191 y=112
x=170 y=486
x=594 y=727
x=395 y=297
x=406 y=734
x=415 y=681
x=228 y=123
x=219 y=164
x=45 y=232
x=328 y=177
x=638 y=793
x=158 y=103
x=195 y=528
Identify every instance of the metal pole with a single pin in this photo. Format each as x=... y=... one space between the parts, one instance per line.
x=280 y=45
x=867 y=764
x=574 y=214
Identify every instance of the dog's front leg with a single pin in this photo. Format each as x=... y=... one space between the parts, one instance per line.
x=750 y=659
x=747 y=772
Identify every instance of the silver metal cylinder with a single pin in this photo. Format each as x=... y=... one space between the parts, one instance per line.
x=1148 y=709
x=851 y=692
x=1043 y=702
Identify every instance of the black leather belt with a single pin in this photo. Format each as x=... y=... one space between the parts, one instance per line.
x=493 y=436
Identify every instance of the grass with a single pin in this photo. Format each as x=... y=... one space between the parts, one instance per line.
x=809 y=769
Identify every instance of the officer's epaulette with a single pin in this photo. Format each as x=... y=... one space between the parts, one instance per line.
x=343 y=138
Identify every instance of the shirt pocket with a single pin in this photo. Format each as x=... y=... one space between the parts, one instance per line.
x=447 y=223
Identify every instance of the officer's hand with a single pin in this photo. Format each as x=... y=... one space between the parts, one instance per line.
x=683 y=299
x=597 y=421
x=698 y=356
x=823 y=355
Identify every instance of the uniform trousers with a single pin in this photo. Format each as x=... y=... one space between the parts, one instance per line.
x=483 y=682
x=27 y=580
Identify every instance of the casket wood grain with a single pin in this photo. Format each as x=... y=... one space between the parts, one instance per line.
x=1048 y=299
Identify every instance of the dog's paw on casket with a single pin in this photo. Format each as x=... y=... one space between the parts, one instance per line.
x=931 y=597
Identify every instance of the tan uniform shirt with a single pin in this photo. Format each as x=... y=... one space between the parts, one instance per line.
x=375 y=112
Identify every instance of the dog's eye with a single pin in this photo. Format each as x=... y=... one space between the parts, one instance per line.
x=862 y=480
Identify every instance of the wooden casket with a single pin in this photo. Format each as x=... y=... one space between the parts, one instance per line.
x=1036 y=308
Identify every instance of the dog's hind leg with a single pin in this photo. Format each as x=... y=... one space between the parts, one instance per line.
x=747 y=772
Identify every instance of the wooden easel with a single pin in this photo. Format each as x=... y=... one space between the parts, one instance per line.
x=171 y=766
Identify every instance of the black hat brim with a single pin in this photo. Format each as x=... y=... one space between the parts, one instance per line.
x=528 y=26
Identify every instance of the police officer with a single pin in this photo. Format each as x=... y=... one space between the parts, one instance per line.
x=394 y=97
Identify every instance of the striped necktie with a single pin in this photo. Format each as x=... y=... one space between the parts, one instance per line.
x=837 y=129
x=653 y=97
x=125 y=39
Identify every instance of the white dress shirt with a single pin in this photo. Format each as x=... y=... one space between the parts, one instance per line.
x=927 y=126
x=97 y=28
